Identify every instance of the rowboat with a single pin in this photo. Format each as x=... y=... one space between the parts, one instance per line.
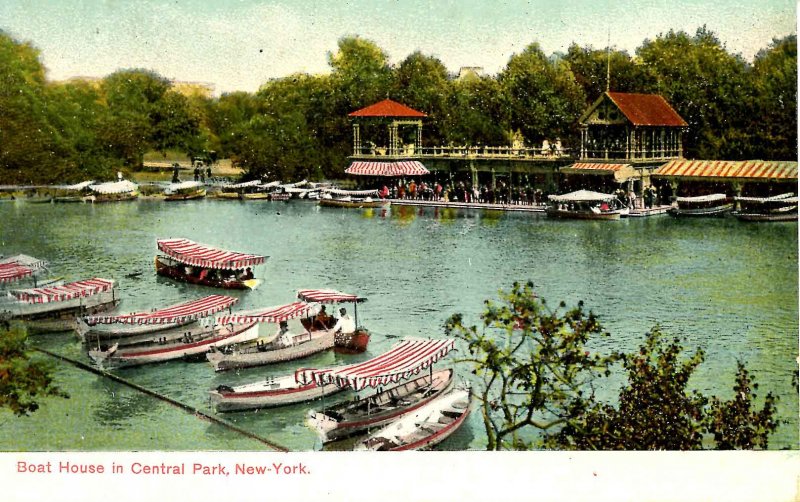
x=139 y=327
x=276 y=349
x=72 y=193
x=55 y=307
x=714 y=205
x=114 y=191
x=404 y=360
x=187 y=261
x=345 y=340
x=332 y=197
x=186 y=190
x=158 y=350
x=353 y=417
x=586 y=205
x=423 y=428
x=776 y=208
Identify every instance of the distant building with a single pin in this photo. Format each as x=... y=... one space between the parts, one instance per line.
x=469 y=72
x=193 y=89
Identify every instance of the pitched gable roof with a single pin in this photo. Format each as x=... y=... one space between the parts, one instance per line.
x=646 y=109
x=387 y=108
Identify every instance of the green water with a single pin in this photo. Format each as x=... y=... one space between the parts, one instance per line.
x=727 y=287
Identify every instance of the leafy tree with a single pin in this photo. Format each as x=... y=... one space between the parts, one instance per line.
x=774 y=82
x=476 y=113
x=23 y=380
x=422 y=83
x=361 y=73
x=533 y=364
x=591 y=69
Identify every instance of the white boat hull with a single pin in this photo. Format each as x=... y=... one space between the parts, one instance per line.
x=267 y=394
x=251 y=355
x=57 y=316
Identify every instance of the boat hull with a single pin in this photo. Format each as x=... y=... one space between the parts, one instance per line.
x=584 y=215
x=196 y=194
x=763 y=217
x=219 y=336
x=352 y=203
x=712 y=212
x=97 y=199
x=59 y=316
x=355 y=417
x=249 y=356
x=175 y=270
x=225 y=401
x=351 y=343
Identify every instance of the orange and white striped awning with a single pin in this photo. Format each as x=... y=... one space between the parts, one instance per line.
x=741 y=169
x=397 y=168
x=621 y=172
x=65 y=292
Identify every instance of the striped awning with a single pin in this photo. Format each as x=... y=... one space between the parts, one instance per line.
x=10 y=272
x=272 y=314
x=65 y=292
x=200 y=255
x=398 y=168
x=327 y=296
x=621 y=172
x=123 y=186
x=404 y=360
x=744 y=169
x=181 y=312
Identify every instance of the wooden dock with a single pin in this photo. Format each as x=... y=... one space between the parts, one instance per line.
x=517 y=208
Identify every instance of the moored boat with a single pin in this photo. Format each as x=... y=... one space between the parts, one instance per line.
x=187 y=261
x=332 y=197
x=350 y=340
x=72 y=193
x=585 y=205
x=423 y=428
x=114 y=191
x=357 y=416
x=776 y=208
x=186 y=190
x=713 y=205
x=55 y=307
x=267 y=393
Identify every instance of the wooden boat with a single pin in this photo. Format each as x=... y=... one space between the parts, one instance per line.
x=267 y=393
x=353 y=417
x=160 y=350
x=586 y=205
x=187 y=190
x=187 y=261
x=351 y=198
x=139 y=327
x=55 y=307
x=115 y=191
x=38 y=199
x=21 y=268
x=714 y=205
x=72 y=193
x=776 y=208
x=423 y=428
x=345 y=341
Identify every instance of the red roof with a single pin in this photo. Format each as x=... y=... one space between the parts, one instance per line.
x=387 y=108
x=646 y=109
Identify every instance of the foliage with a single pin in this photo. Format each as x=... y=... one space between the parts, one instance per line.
x=23 y=380
x=532 y=362
x=775 y=87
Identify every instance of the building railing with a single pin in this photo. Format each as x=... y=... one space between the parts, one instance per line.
x=500 y=152
x=611 y=154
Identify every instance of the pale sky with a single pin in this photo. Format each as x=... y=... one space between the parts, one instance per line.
x=240 y=44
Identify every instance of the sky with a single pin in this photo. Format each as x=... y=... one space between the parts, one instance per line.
x=240 y=44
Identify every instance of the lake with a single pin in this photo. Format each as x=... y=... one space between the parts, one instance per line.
x=727 y=287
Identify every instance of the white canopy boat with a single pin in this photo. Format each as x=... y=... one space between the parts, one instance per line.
x=715 y=204
x=195 y=263
x=275 y=349
x=423 y=428
x=333 y=197
x=586 y=205
x=113 y=191
x=352 y=343
x=128 y=328
x=781 y=207
x=185 y=190
x=55 y=307
x=72 y=193
x=404 y=360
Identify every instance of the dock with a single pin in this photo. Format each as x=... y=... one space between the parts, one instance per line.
x=516 y=208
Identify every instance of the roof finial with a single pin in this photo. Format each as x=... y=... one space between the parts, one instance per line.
x=608 y=62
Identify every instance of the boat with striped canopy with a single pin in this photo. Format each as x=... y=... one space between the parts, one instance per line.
x=21 y=267
x=345 y=342
x=333 y=197
x=405 y=360
x=714 y=205
x=55 y=307
x=139 y=327
x=781 y=207
x=268 y=350
x=188 y=261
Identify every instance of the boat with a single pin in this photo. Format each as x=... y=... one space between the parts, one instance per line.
x=247 y=190
x=275 y=349
x=405 y=359
x=72 y=193
x=586 y=205
x=139 y=327
x=332 y=197
x=776 y=208
x=714 y=205
x=186 y=190
x=357 y=416
x=187 y=261
x=114 y=191
x=423 y=428
x=350 y=343
x=55 y=307
x=193 y=345
x=22 y=268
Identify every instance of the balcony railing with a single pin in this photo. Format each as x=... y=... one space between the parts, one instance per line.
x=485 y=152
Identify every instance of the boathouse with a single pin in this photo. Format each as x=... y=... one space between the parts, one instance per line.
x=752 y=178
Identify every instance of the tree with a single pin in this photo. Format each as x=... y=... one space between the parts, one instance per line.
x=774 y=81
x=591 y=69
x=422 y=83
x=23 y=380
x=361 y=73
x=533 y=364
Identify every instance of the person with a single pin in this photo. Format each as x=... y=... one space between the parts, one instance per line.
x=248 y=274
x=322 y=319
x=208 y=172
x=175 y=168
x=384 y=192
x=196 y=173
x=284 y=337
x=345 y=324
x=119 y=176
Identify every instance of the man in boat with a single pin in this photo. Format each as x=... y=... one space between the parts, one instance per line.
x=322 y=320
x=284 y=337
x=345 y=324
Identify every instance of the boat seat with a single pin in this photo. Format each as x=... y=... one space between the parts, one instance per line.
x=446 y=420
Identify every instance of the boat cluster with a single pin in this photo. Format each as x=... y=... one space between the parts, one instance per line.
x=410 y=404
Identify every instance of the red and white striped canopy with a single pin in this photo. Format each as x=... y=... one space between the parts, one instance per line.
x=271 y=314
x=405 y=359
x=65 y=292
x=399 y=168
x=327 y=296
x=182 y=312
x=10 y=272
x=200 y=255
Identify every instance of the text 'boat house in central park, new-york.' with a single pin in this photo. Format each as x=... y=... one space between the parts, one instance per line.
x=628 y=142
